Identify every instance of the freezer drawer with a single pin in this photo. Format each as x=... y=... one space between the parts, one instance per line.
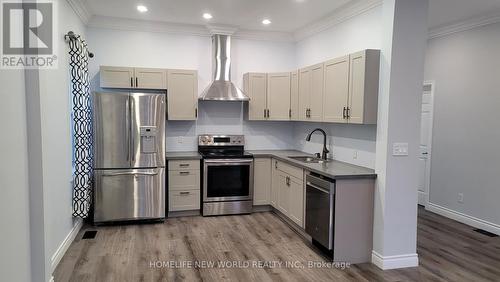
x=129 y=194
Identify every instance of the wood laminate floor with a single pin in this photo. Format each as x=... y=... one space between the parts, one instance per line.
x=448 y=251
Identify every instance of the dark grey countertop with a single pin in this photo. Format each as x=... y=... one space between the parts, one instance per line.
x=333 y=169
x=189 y=155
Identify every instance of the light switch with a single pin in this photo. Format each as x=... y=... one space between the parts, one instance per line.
x=400 y=149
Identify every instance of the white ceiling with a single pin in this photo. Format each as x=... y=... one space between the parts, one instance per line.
x=286 y=15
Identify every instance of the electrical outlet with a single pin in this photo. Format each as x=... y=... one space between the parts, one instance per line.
x=355 y=155
x=460 y=197
x=400 y=149
x=179 y=140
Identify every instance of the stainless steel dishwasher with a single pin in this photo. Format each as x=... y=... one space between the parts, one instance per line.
x=320 y=209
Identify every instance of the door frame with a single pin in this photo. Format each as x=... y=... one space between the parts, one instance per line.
x=424 y=200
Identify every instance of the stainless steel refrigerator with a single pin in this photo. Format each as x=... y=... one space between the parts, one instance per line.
x=129 y=156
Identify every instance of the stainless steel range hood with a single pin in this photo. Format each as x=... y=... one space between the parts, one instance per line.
x=221 y=88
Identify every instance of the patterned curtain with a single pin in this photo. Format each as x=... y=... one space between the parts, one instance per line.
x=82 y=126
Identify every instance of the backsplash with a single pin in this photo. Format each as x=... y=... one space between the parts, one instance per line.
x=353 y=144
x=228 y=118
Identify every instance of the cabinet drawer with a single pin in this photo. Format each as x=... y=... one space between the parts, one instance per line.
x=289 y=169
x=184 y=180
x=184 y=200
x=184 y=165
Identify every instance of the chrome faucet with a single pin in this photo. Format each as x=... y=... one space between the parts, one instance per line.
x=325 y=150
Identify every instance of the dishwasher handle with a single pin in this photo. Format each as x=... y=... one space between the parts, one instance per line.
x=309 y=184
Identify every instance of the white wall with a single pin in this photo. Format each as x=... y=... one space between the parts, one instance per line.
x=351 y=143
x=56 y=137
x=466 y=134
x=14 y=202
x=163 y=50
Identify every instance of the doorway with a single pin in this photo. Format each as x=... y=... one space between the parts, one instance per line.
x=425 y=142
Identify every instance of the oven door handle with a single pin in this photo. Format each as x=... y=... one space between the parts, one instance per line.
x=232 y=161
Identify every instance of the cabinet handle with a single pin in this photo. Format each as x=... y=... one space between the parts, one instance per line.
x=265 y=113
x=136 y=82
x=276 y=164
x=343 y=113
x=131 y=82
x=196 y=112
x=290 y=113
x=185 y=193
x=348 y=112
x=183 y=165
x=268 y=113
x=184 y=172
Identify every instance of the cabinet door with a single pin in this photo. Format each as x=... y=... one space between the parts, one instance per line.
x=294 y=95
x=363 y=86
x=336 y=90
x=150 y=78
x=296 y=191
x=278 y=96
x=357 y=87
x=304 y=91
x=255 y=85
x=116 y=77
x=283 y=194
x=182 y=92
x=262 y=181
x=275 y=184
x=316 y=94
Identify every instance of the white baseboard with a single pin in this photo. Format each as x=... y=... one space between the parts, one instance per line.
x=63 y=247
x=422 y=198
x=464 y=218
x=393 y=262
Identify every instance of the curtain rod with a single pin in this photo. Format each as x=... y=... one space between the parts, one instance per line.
x=72 y=36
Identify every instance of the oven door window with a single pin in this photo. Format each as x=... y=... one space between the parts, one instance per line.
x=228 y=181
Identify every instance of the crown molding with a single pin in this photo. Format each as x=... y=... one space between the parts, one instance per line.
x=465 y=25
x=340 y=15
x=185 y=29
x=81 y=9
x=149 y=26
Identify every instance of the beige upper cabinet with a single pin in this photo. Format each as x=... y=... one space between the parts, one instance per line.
x=182 y=94
x=116 y=77
x=336 y=91
x=294 y=95
x=127 y=77
x=363 y=87
x=255 y=86
x=304 y=92
x=262 y=181
x=147 y=78
x=316 y=94
x=278 y=96
x=311 y=93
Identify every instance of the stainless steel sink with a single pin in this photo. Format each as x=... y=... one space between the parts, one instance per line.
x=307 y=159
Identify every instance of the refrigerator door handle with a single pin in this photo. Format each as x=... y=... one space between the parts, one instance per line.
x=127 y=125
x=131 y=128
x=130 y=173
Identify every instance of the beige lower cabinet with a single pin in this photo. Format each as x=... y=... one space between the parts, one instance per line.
x=287 y=191
x=262 y=181
x=183 y=185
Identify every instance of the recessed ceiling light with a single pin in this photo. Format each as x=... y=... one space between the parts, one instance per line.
x=142 y=8
x=207 y=16
x=266 y=21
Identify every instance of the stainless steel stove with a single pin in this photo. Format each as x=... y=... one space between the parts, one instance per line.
x=227 y=175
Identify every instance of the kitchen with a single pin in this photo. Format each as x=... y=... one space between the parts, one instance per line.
x=232 y=142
